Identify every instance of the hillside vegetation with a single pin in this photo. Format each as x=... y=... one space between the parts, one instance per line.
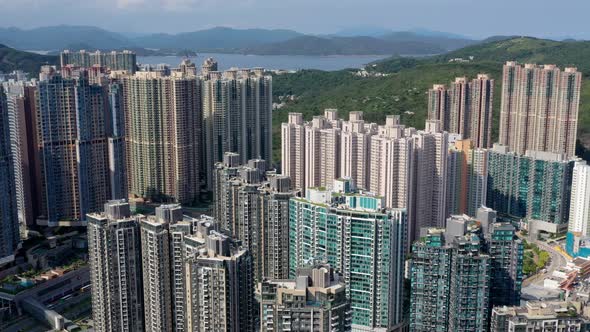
x=11 y=59
x=404 y=91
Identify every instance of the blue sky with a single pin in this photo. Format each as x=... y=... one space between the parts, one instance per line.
x=475 y=18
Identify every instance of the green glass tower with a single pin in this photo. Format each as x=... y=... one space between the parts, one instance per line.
x=365 y=242
x=460 y=273
x=534 y=187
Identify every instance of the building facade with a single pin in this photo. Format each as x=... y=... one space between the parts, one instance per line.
x=220 y=287
x=315 y=299
x=72 y=148
x=465 y=108
x=114 y=249
x=534 y=187
x=10 y=234
x=237 y=116
x=541 y=317
x=579 y=215
x=252 y=204
x=539 y=109
x=366 y=243
x=460 y=273
x=163 y=134
x=115 y=60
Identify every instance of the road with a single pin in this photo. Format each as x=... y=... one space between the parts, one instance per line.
x=557 y=260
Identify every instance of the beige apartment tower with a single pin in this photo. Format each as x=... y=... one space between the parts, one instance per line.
x=237 y=116
x=163 y=136
x=464 y=108
x=539 y=109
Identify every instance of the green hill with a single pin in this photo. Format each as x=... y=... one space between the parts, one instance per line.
x=404 y=90
x=11 y=59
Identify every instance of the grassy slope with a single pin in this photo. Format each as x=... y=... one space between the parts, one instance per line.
x=11 y=59
x=405 y=89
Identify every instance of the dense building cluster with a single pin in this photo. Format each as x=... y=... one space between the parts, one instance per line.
x=323 y=240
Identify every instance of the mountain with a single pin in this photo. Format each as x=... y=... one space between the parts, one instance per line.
x=369 y=31
x=441 y=41
x=59 y=37
x=354 y=41
x=403 y=90
x=219 y=38
x=11 y=59
x=433 y=33
x=312 y=45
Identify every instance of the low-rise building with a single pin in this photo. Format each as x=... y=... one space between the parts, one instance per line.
x=541 y=317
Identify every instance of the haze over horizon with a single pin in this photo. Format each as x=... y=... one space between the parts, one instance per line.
x=464 y=17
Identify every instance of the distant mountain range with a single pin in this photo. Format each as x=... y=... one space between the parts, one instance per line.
x=229 y=40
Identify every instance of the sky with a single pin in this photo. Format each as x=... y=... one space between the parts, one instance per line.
x=473 y=18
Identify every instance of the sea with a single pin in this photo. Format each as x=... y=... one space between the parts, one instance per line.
x=270 y=62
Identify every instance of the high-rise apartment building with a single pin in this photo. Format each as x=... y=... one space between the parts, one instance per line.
x=163 y=136
x=353 y=233
x=311 y=151
x=116 y=143
x=115 y=60
x=482 y=99
x=253 y=205
x=220 y=287
x=535 y=186
x=428 y=201
x=10 y=239
x=355 y=141
x=274 y=198
x=167 y=272
x=578 y=233
x=468 y=178
x=156 y=263
x=391 y=163
x=431 y=283
x=237 y=116
x=464 y=108
x=114 y=249
x=408 y=167
x=540 y=107
x=21 y=129
x=72 y=148
x=506 y=252
x=293 y=150
x=469 y=289
x=314 y=299
x=459 y=273
x=209 y=65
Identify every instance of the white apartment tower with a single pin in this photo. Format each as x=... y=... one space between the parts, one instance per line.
x=579 y=220
x=391 y=154
x=322 y=152
x=354 y=149
x=293 y=149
